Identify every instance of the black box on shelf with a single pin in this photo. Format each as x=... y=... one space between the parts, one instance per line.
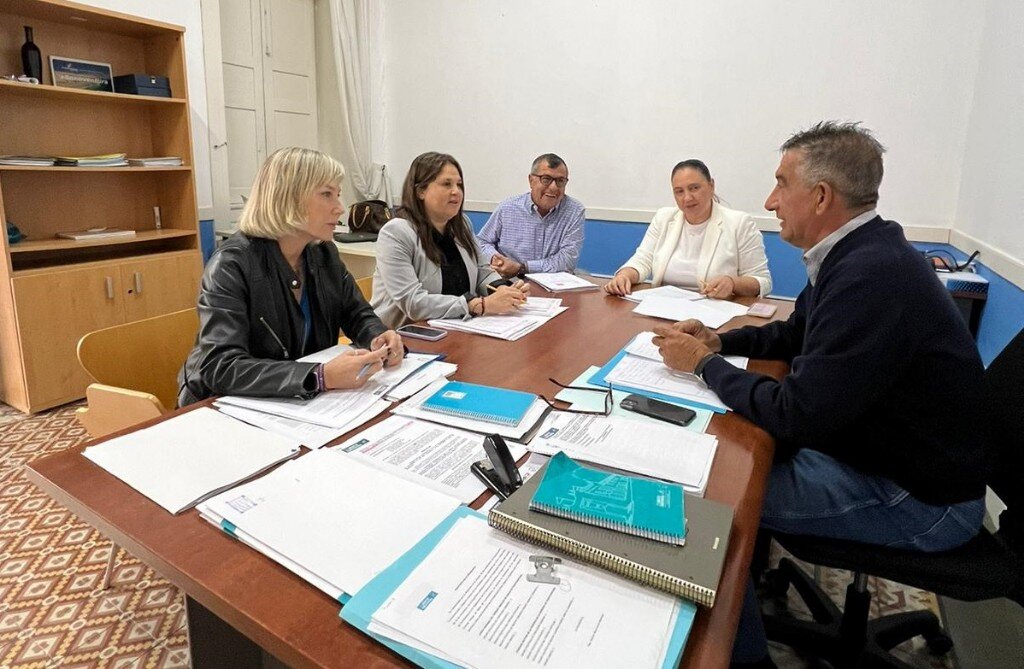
x=143 y=84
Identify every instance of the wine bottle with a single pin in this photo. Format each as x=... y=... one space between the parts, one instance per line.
x=31 y=59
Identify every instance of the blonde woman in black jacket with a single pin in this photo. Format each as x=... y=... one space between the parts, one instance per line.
x=277 y=291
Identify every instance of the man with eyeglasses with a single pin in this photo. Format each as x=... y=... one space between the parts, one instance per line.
x=538 y=231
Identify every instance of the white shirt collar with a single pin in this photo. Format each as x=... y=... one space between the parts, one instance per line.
x=817 y=253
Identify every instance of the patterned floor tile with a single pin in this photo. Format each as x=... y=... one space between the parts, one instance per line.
x=53 y=612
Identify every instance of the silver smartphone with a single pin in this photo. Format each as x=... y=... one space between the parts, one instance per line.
x=422 y=332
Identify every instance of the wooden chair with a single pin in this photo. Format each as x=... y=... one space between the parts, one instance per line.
x=137 y=366
x=366 y=288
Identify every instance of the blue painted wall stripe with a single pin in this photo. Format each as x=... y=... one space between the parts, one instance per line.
x=608 y=244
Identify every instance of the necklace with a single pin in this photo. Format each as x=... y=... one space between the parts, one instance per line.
x=295 y=282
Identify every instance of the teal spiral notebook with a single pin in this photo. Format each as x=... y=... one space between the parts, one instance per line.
x=469 y=400
x=638 y=506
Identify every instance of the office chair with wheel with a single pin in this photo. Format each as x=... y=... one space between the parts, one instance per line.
x=989 y=566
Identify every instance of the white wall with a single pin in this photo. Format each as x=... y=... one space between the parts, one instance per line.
x=991 y=198
x=625 y=90
x=184 y=13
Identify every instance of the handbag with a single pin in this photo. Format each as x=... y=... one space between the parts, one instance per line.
x=369 y=216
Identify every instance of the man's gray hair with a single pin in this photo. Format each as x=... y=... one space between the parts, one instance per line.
x=845 y=156
x=550 y=159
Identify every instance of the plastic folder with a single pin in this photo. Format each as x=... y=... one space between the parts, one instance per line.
x=358 y=611
x=469 y=400
x=598 y=379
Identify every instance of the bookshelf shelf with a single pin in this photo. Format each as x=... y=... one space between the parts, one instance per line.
x=70 y=95
x=141 y=236
x=90 y=170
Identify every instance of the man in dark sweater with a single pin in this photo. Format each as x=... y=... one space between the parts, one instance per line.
x=876 y=422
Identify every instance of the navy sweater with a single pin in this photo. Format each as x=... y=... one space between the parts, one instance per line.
x=884 y=375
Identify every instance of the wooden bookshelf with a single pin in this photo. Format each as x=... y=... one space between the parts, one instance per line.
x=53 y=290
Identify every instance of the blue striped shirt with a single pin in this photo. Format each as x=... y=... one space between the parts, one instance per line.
x=549 y=243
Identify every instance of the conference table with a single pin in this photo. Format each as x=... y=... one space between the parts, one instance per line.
x=239 y=601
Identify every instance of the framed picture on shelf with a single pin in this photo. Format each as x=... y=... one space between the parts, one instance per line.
x=81 y=74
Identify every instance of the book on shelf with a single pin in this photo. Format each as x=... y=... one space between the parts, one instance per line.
x=103 y=160
x=162 y=161
x=691 y=571
x=33 y=161
x=95 y=233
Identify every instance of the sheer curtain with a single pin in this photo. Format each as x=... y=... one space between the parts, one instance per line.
x=344 y=99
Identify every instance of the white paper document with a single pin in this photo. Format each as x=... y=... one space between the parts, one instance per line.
x=412 y=408
x=187 y=458
x=509 y=327
x=342 y=410
x=470 y=602
x=712 y=313
x=542 y=306
x=435 y=456
x=635 y=372
x=661 y=450
x=422 y=378
x=559 y=281
x=643 y=347
x=663 y=291
x=334 y=516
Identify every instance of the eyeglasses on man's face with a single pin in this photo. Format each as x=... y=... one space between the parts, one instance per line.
x=546 y=181
x=608 y=402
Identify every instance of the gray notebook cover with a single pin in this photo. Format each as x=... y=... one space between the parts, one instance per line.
x=690 y=571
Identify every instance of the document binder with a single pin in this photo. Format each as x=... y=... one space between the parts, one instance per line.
x=469 y=400
x=638 y=506
x=691 y=571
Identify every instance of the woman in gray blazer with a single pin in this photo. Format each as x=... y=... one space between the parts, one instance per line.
x=428 y=262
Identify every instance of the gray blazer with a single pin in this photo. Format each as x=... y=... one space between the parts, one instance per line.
x=407 y=284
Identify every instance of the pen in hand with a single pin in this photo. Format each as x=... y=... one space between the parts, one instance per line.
x=365 y=368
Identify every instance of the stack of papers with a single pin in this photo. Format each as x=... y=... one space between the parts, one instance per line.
x=163 y=161
x=435 y=456
x=541 y=306
x=462 y=596
x=105 y=160
x=557 y=282
x=218 y=450
x=658 y=450
x=639 y=368
x=583 y=400
x=32 y=161
x=330 y=519
x=509 y=327
x=522 y=432
x=329 y=415
x=712 y=313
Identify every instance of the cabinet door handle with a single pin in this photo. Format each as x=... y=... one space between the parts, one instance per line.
x=110 y=288
x=138 y=283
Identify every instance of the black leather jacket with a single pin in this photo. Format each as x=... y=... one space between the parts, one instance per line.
x=251 y=328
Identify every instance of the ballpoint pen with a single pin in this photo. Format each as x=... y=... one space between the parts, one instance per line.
x=365 y=368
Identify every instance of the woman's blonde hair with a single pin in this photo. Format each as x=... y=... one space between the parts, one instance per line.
x=277 y=202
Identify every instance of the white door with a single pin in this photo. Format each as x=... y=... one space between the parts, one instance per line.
x=269 y=68
x=290 y=74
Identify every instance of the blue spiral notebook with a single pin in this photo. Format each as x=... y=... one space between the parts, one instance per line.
x=358 y=610
x=469 y=400
x=638 y=506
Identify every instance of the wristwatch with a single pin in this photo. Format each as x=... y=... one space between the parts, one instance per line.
x=698 y=371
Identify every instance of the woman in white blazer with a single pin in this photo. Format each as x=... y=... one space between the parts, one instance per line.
x=429 y=264
x=699 y=244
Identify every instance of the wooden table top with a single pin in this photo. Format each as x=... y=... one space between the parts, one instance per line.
x=299 y=624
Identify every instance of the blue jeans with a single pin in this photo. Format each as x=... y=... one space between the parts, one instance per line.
x=814 y=494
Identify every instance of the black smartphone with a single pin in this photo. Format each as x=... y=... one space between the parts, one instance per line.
x=422 y=332
x=670 y=413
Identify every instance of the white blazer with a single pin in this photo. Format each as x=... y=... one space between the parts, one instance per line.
x=732 y=245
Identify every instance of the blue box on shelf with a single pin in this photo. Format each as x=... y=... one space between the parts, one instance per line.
x=143 y=84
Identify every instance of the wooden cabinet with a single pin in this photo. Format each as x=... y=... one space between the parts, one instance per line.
x=54 y=290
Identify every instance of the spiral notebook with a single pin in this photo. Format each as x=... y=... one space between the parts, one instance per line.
x=691 y=571
x=631 y=504
x=469 y=400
